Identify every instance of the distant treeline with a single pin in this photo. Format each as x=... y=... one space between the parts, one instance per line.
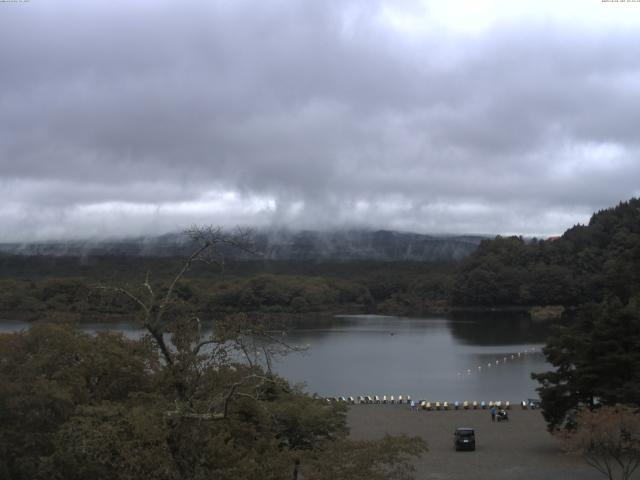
x=587 y=264
x=365 y=289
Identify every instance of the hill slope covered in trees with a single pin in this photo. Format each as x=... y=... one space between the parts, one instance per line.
x=588 y=263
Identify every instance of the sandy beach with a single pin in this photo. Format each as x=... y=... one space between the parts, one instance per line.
x=519 y=449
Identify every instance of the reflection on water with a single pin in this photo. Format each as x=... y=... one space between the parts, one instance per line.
x=437 y=358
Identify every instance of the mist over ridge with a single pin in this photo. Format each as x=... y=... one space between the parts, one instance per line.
x=275 y=244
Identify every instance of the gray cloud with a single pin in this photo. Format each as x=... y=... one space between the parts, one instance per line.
x=120 y=118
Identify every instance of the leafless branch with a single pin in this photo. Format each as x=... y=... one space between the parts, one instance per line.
x=128 y=294
x=227 y=398
x=267 y=358
x=185 y=267
x=204 y=343
x=148 y=286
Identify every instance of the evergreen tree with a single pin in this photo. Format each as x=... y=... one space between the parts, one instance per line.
x=596 y=360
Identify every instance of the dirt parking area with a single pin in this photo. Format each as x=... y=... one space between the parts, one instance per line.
x=520 y=449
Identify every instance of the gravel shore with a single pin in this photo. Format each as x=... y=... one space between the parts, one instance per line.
x=520 y=449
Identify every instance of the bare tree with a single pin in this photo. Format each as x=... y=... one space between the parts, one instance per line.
x=186 y=352
x=609 y=440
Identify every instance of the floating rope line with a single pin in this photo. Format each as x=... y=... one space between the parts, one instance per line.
x=498 y=361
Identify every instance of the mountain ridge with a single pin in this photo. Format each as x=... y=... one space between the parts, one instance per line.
x=281 y=244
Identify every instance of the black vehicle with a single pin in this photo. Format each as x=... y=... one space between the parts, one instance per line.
x=464 y=438
x=502 y=416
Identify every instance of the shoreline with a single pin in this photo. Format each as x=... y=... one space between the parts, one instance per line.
x=79 y=317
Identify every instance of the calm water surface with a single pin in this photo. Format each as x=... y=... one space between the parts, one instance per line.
x=432 y=358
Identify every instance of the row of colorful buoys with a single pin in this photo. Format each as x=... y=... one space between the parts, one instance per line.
x=497 y=362
x=530 y=404
x=466 y=405
x=400 y=399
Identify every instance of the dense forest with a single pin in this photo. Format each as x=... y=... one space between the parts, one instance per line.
x=594 y=351
x=269 y=288
x=587 y=263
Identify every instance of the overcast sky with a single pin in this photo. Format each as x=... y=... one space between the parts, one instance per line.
x=456 y=116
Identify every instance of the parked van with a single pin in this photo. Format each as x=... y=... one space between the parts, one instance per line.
x=464 y=438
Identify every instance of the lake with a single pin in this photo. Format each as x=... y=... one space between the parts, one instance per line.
x=460 y=357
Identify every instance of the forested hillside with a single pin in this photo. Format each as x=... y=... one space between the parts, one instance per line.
x=587 y=263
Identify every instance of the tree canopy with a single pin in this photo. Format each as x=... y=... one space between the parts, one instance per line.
x=596 y=360
x=586 y=264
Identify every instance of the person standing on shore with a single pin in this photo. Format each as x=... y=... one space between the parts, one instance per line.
x=493 y=413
